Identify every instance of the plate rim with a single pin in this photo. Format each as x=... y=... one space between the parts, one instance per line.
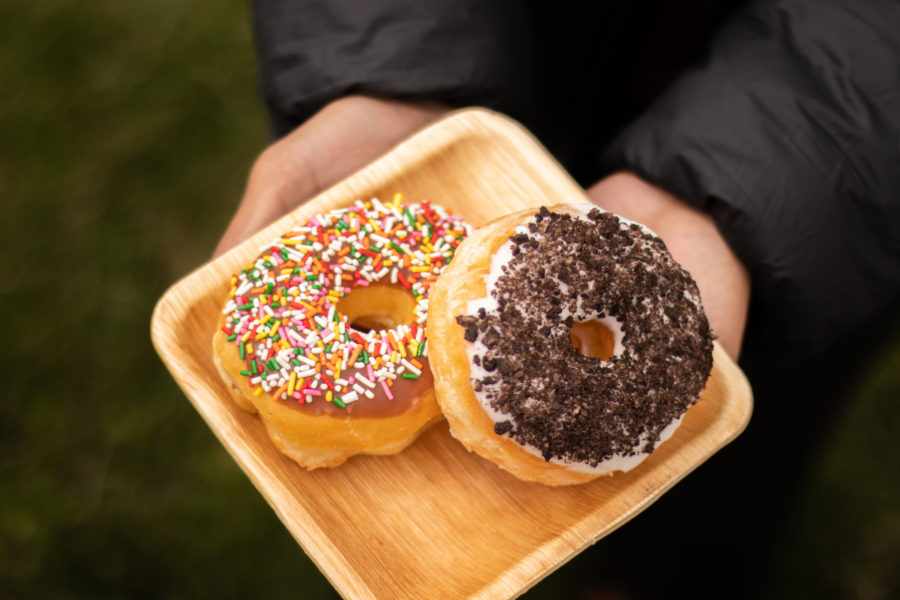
x=312 y=539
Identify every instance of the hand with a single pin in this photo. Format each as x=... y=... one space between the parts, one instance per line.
x=338 y=140
x=694 y=241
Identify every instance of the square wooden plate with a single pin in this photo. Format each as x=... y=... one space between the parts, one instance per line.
x=433 y=521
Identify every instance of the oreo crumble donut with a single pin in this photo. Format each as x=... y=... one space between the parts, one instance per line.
x=323 y=334
x=572 y=343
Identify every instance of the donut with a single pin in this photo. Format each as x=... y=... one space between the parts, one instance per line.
x=572 y=343
x=323 y=334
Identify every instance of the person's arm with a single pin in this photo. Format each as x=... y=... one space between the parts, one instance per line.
x=788 y=136
x=345 y=80
x=457 y=52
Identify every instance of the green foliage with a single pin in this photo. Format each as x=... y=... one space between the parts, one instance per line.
x=844 y=541
x=127 y=132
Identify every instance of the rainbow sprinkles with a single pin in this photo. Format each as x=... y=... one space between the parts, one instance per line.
x=282 y=314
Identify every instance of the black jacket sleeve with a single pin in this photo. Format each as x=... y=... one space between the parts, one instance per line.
x=789 y=135
x=461 y=52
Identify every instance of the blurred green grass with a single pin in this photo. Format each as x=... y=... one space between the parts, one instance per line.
x=126 y=133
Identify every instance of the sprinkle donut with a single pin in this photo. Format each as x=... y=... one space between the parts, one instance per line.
x=571 y=344
x=324 y=333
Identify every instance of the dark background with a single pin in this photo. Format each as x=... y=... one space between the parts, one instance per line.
x=126 y=133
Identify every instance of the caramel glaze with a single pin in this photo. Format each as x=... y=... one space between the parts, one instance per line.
x=407 y=394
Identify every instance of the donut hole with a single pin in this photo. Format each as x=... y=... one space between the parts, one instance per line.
x=593 y=339
x=378 y=307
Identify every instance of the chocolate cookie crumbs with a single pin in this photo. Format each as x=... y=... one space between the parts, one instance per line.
x=543 y=392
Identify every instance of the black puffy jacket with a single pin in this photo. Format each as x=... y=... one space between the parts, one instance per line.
x=781 y=118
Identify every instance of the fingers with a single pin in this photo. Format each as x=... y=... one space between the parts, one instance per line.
x=280 y=179
x=694 y=241
x=337 y=141
x=351 y=132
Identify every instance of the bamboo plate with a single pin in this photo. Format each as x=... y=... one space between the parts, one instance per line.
x=433 y=521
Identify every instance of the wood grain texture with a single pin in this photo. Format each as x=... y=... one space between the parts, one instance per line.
x=433 y=521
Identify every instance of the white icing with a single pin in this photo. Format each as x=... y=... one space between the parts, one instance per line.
x=583 y=208
x=617 y=462
x=502 y=256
